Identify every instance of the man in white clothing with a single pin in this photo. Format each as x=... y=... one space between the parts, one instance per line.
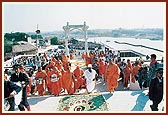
x=90 y=75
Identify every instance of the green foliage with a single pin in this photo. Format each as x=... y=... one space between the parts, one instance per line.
x=11 y=39
x=35 y=36
x=7 y=48
x=18 y=36
x=55 y=41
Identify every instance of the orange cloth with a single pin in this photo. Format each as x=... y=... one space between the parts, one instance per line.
x=28 y=87
x=105 y=69
x=134 y=72
x=129 y=65
x=78 y=80
x=127 y=73
x=65 y=65
x=112 y=74
x=64 y=59
x=59 y=65
x=68 y=83
x=91 y=57
x=88 y=60
x=54 y=60
x=48 y=81
x=56 y=84
x=101 y=67
x=41 y=87
x=50 y=65
x=61 y=82
x=83 y=56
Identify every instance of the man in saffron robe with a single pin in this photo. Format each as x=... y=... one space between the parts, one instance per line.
x=127 y=73
x=112 y=73
x=87 y=59
x=48 y=80
x=60 y=67
x=41 y=81
x=105 y=69
x=64 y=61
x=129 y=64
x=101 y=67
x=55 y=74
x=67 y=81
x=78 y=80
x=135 y=71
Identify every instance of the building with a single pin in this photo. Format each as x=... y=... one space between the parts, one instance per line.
x=24 y=48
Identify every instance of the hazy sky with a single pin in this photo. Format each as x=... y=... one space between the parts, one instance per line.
x=24 y=17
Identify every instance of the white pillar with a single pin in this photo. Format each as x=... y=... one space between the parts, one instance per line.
x=85 y=37
x=66 y=46
x=86 y=43
x=66 y=38
x=67 y=29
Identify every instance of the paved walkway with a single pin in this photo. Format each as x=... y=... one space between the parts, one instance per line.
x=120 y=101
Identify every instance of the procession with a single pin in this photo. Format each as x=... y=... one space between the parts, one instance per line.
x=60 y=75
x=114 y=61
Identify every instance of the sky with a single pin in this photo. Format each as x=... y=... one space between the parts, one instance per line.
x=24 y=17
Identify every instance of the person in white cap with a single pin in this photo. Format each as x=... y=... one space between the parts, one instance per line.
x=90 y=75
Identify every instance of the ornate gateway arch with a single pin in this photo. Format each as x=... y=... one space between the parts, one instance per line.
x=69 y=28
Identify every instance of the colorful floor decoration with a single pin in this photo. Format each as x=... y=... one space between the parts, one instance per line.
x=79 y=63
x=82 y=103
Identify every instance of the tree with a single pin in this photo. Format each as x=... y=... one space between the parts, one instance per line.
x=7 y=48
x=55 y=41
x=11 y=39
x=34 y=36
x=17 y=36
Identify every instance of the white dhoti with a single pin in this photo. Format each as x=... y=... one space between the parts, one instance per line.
x=90 y=85
x=90 y=79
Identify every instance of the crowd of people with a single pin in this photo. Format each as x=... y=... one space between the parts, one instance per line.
x=54 y=75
